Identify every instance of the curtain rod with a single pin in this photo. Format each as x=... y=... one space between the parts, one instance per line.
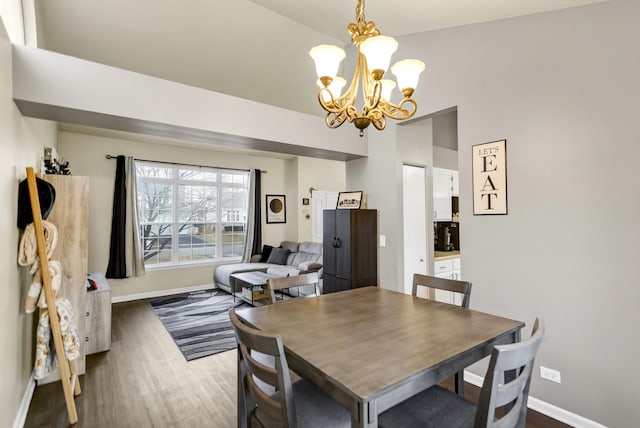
x=184 y=164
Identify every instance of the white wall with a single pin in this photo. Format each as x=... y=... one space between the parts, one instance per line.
x=22 y=141
x=562 y=88
x=11 y=17
x=445 y=129
x=445 y=158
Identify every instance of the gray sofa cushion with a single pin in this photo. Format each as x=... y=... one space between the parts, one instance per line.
x=308 y=252
x=291 y=246
x=279 y=256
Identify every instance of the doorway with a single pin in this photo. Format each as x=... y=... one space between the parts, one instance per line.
x=414 y=221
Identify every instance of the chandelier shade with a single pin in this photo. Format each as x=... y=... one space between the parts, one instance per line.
x=374 y=53
x=378 y=51
x=407 y=73
x=327 y=59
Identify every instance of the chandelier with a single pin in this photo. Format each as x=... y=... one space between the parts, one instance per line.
x=374 y=55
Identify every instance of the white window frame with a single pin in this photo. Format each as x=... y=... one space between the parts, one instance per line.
x=176 y=182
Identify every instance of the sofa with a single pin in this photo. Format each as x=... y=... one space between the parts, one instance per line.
x=289 y=259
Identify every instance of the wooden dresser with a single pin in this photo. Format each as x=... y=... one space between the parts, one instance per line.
x=70 y=214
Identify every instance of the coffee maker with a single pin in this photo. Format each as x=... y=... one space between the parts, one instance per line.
x=446 y=235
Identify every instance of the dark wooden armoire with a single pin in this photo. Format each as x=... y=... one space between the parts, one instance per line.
x=350 y=252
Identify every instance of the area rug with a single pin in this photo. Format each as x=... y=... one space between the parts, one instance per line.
x=199 y=322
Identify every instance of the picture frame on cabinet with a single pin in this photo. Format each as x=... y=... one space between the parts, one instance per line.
x=276 y=208
x=489 y=163
x=349 y=200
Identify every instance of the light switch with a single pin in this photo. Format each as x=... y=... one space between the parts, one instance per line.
x=383 y=241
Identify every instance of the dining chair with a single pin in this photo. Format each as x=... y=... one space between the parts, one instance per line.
x=432 y=283
x=439 y=407
x=299 y=404
x=275 y=284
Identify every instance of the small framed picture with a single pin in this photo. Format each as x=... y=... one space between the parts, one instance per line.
x=305 y=201
x=276 y=209
x=349 y=200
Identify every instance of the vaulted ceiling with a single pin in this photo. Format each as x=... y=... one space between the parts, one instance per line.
x=251 y=49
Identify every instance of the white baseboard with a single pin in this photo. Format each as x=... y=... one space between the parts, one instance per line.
x=23 y=410
x=545 y=408
x=161 y=293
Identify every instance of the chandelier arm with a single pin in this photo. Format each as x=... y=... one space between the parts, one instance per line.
x=376 y=96
x=378 y=118
x=380 y=124
x=399 y=111
x=371 y=89
x=334 y=120
x=335 y=106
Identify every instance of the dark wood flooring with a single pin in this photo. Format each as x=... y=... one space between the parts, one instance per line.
x=144 y=381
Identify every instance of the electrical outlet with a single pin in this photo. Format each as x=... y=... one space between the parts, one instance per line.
x=550 y=374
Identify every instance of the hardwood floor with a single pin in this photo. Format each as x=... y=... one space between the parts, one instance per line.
x=144 y=381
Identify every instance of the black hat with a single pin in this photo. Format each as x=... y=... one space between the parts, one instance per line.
x=46 y=194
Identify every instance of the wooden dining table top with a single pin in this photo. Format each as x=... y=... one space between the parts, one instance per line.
x=368 y=340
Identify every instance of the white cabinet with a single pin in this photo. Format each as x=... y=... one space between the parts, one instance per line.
x=455 y=183
x=448 y=269
x=442 y=192
x=445 y=185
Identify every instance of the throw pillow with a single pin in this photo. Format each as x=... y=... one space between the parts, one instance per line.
x=266 y=252
x=278 y=256
x=309 y=265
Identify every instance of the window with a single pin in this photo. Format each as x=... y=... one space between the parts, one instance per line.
x=191 y=214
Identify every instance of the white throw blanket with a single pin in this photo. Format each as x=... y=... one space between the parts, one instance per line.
x=46 y=360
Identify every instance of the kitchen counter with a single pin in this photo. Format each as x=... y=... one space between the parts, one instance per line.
x=444 y=255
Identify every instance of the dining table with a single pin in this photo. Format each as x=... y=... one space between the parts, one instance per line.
x=371 y=348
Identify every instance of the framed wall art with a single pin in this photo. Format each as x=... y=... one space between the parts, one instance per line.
x=489 y=162
x=276 y=209
x=349 y=200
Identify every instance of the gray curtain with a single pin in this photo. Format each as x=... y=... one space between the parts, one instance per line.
x=251 y=209
x=125 y=254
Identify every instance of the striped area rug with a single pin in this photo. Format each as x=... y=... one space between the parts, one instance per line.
x=199 y=322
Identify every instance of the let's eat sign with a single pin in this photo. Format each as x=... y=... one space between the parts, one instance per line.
x=490 y=178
